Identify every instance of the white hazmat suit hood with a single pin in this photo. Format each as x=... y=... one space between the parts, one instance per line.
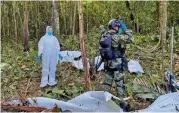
x=49 y=47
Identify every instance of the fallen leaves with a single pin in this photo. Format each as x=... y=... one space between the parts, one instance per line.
x=22 y=108
x=26 y=108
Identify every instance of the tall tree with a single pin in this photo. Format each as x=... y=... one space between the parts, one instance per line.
x=37 y=21
x=162 y=28
x=87 y=19
x=55 y=19
x=26 y=46
x=63 y=12
x=82 y=46
x=70 y=17
x=14 y=16
x=163 y=19
x=111 y=4
x=74 y=19
x=137 y=17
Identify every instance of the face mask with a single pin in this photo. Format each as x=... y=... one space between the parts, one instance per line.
x=50 y=33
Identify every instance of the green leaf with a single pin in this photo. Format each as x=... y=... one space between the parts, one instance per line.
x=57 y=91
x=113 y=105
x=3 y=65
x=49 y=96
x=140 y=89
x=74 y=90
x=148 y=96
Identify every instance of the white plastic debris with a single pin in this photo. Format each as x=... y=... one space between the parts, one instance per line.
x=92 y=101
x=135 y=67
x=68 y=56
x=165 y=103
x=97 y=60
x=79 y=64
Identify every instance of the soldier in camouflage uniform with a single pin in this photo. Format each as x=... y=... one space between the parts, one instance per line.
x=120 y=37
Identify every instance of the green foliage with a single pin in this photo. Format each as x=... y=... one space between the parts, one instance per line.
x=92 y=42
x=145 y=14
x=129 y=89
x=18 y=66
x=70 y=42
x=148 y=96
x=66 y=94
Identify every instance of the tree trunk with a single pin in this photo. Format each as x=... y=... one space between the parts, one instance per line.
x=21 y=22
x=26 y=47
x=37 y=20
x=55 y=19
x=59 y=10
x=162 y=29
x=137 y=20
x=82 y=46
x=14 y=16
x=87 y=20
x=52 y=15
x=111 y=9
x=134 y=15
x=65 y=22
x=74 y=19
x=163 y=19
x=2 y=24
x=10 y=25
x=70 y=18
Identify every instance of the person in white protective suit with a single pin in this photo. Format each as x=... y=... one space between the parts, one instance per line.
x=49 y=47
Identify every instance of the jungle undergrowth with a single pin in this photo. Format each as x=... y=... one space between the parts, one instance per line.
x=19 y=67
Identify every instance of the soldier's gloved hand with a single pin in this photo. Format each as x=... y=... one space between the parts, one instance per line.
x=38 y=59
x=120 y=31
x=123 y=26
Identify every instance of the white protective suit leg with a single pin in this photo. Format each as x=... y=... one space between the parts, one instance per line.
x=53 y=63
x=45 y=71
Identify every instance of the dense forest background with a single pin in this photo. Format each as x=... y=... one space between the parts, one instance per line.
x=142 y=17
x=23 y=23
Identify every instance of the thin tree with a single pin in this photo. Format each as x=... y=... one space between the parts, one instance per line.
x=70 y=17
x=87 y=19
x=74 y=18
x=55 y=19
x=37 y=20
x=137 y=17
x=82 y=46
x=162 y=28
x=64 y=16
x=163 y=19
x=26 y=46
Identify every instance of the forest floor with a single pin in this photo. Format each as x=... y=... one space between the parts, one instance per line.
x=21 y=73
